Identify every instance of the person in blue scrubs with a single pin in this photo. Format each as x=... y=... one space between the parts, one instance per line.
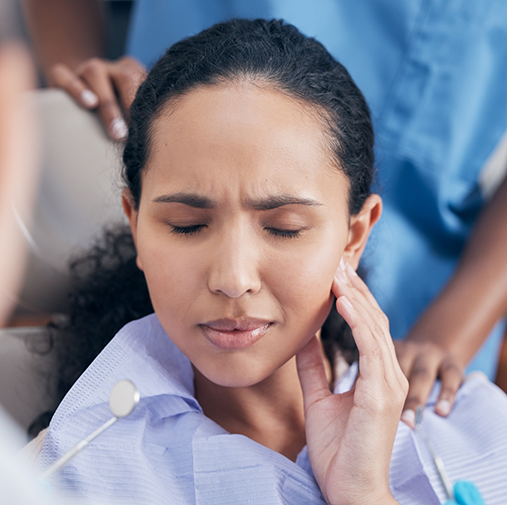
x=434 y=76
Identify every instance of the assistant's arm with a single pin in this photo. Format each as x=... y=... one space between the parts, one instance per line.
x=65 y=32
x=458 y=321
x=69 y=40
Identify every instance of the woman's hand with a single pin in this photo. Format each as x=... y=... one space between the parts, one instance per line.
x=350 y=436
x=423 y=362
x=108 y=86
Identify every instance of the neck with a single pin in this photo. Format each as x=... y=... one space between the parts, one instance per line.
x=270 y=412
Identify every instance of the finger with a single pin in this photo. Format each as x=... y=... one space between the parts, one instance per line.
x=378 y=366
x=361 y=286
x=96 y=74
x=373 y=352
x=64 y=78
x=451 y=377
x=127 y=75
x=379 y=326
x=421 y=380
x=312 y=374
x=367 y=299
x=375 y=319
x=362 y=294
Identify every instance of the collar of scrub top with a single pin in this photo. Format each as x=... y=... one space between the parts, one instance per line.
x=463 y=492
x=122 y=401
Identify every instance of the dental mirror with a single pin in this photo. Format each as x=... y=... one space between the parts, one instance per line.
x=123 y=398
x=122 y=401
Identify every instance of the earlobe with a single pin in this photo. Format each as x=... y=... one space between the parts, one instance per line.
x=360 y=228
x=127 y=202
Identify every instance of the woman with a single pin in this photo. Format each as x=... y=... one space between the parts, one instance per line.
x=248 y=166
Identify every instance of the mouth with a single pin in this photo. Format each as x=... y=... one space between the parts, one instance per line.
x=230 y=334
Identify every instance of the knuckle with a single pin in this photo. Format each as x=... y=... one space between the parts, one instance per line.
x=447 y=392
x=399 y=394
x=58 y=74
x=109 y=106
x=57 y=68
x=377 y=352
x=128 y=79
x=92 y=66
x=127 y=60
x=421 y=373
x=379 y=330
x=451 y=368
x=125 y=73
x=132 y=63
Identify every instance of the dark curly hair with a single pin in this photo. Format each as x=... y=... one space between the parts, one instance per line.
x=108 y=288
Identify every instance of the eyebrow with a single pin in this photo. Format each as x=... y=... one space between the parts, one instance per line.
x=273 y=202
x=190 y=199
x=269 y=203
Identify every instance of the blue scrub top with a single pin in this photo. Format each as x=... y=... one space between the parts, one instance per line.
x=434 y=75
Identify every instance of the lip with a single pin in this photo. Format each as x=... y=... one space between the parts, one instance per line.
x=235 y=334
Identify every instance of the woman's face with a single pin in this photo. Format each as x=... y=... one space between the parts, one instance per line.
x=241 y=225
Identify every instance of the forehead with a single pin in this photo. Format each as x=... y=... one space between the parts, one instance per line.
x=239 y=131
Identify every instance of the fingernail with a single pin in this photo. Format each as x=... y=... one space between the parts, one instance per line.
x=408 y=417
x=350 y=270
x=342 y=264
x=443 y=407
x=89 y=98
x=118 y=128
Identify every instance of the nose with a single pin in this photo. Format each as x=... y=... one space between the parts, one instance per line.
x=234 y=269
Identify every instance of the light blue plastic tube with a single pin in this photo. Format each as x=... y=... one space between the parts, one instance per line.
x=465 y=493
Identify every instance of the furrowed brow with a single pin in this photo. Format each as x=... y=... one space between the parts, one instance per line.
x=190 y=199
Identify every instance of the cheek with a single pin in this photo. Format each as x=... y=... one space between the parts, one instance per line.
x=172 y=273
x=302 y=280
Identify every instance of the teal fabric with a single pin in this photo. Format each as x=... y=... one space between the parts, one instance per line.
x=434 y=74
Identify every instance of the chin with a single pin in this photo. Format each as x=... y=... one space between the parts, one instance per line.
x=236 y=376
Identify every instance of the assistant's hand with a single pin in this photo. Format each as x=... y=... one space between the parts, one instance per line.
x=350 y=436
x=423 y=362
x=109 y=86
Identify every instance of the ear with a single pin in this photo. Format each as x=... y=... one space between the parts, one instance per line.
x=127 y=202
x=359 y=229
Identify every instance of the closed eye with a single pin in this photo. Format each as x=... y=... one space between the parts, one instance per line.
x=196 y=228
x=187 y=230
x=283 y=233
